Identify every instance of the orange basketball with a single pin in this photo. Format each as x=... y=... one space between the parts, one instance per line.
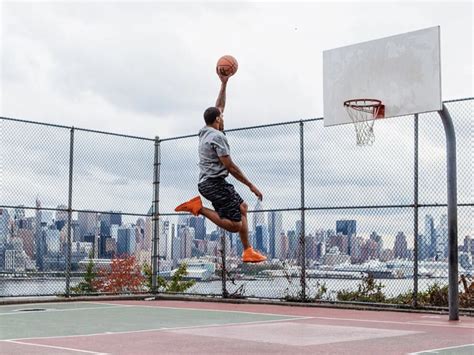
x=227 y=65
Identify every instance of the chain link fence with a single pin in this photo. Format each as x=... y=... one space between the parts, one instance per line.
x=338 y=222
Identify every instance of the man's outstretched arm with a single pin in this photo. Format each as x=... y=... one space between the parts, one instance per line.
x=235 y=171
x=220 y=102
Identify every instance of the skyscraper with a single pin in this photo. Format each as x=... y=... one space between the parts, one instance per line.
x=400 y=246
x=275 y=227
x=4 y=221
x=126 y=241
x=428 y=240
x=441 y=237
x=258 y=218
x=199 y=225
x=88 y=223
x=349 y=229
x=164 y=236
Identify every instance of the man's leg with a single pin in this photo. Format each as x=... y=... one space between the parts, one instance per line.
x=244 y=231
x=227 y=224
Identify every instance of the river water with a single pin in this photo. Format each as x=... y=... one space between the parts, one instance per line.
x=261 y=288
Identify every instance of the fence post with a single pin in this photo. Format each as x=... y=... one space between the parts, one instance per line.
x=415 y=223
x=453 y=294
x=225 y=293
x=69 y=214
x=155 y=257
x=302 y=244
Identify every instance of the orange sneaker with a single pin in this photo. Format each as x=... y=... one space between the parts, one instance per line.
x=251 y=256
x=194 y=205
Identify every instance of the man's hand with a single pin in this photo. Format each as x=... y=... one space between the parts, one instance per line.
x=256 y=191
x=222 y=75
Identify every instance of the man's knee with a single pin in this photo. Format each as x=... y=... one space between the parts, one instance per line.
x=235 y=227
x=244 y=208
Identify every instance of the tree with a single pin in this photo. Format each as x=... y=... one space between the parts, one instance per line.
x=87 y=286
x=124 y=276
x=176 y=284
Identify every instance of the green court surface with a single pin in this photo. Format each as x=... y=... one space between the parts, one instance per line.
x=456 y=350
x=70 y=319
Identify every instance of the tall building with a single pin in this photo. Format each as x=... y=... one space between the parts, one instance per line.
x=282 y=247
x=164 y=236
x=185 y=237
x=61 y=217
x=275 y=227
x=28 y=238
x=199 y=225
x=427 y=242
x=104 y=225
x=441 y=245
x=260 y=239
x=88 y=223
x=19 y=216
x=40 y=242
x=341 y=241
x=311 y=244
x=258 y=218
x=349 y=229
x=126 y=240
x=115 y=218
x=370 y=250
x=4 y=222
x=292 y=244
x=400 y=247
x=468 y=245
x=53 y=244
x=378 y=239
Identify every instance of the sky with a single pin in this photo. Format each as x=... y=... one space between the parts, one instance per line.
x=148 y=69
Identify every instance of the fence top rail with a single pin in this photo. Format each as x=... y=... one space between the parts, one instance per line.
x=283 y=123
x=183 y=136
x=75 y=128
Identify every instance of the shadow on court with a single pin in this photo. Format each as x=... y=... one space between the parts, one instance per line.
x=178 y=327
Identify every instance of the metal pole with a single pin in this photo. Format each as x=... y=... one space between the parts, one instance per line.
x=225 y=294
x=453 y=295
x=69 y=214
x=303 y=233
x=415 y=226
x=155 y=258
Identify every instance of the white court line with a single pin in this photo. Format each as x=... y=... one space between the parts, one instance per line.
x=436 y=350
x=395 y=322
x=55 y=347
x=52 y=310
x=286 y=315
x=42 y=303
x=205 y=310
x=164 y=329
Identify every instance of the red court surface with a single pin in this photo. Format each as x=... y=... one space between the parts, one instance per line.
x=222 y=328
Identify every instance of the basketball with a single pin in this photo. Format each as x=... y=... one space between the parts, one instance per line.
x=227 y=65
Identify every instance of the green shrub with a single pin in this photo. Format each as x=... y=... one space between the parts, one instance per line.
x=368 y=291
x=175 y=284
x=86 y=286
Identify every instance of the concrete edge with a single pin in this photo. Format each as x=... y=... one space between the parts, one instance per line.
x=188 y=298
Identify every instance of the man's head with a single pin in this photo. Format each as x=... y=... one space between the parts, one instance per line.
x=214 y=117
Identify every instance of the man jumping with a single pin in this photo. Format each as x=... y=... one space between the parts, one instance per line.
x=215 y=165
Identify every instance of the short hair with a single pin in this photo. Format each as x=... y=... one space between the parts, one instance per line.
x=211 y=114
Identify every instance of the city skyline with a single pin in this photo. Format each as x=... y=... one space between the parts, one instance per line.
x=40 y=241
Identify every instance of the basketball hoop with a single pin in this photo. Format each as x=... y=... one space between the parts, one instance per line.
x=363 y=113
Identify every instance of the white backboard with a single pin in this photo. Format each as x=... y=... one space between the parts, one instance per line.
x=403 y=71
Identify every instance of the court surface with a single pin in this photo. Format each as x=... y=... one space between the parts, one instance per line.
x=178 y=327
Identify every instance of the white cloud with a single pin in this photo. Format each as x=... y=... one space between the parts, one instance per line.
x=147 y=69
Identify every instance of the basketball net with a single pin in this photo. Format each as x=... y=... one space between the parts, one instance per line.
x=363 y=113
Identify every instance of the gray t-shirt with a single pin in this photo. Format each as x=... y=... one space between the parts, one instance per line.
x=212 y=145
